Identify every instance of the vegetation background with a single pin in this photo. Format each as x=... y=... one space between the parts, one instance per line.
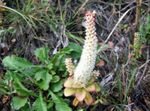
x=37 y=35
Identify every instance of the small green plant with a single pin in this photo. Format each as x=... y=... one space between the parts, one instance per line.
x=142 y=38
x=37 y=87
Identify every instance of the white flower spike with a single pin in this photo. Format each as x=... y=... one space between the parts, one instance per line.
x=69 y=66
x=84 y=69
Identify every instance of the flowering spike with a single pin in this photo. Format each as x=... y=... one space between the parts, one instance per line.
x=69 y=66
x=83 y=71
x=82 y=83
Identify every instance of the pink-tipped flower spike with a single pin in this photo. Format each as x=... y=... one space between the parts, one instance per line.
x=84 y=69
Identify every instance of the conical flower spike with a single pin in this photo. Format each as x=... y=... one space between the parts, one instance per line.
x=69 y=66
x=83 y=71
x=82 y=81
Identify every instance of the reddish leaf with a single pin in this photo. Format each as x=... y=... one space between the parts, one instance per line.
x=91 y=88
x=80 y=94
x=88 y=99
x=68 y=83
x=100 y=63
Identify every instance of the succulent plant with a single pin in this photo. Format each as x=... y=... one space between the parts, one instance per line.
x=81 y=81
x=83 y=71
x=81 y=93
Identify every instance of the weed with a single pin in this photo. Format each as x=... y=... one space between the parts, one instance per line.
x=37 y=86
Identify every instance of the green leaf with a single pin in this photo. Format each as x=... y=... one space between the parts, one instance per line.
x=50 y=66
x=4 y=89
x=26 y=107
x=73 y=50
x=52 y=72
x=21 y=89
x=16 y=63
x=42 y=54
x=56 y=87
x=76 y=50
x=75 y=47
x=57 y=60
x=43 y=78
x=55 y=79
x=39 y=104
x=18 y=102
x=50 y=104
x=60 y=104
x=9 y=75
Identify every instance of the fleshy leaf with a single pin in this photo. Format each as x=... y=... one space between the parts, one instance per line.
x=75 y=102
x=80 y=94
x=97 y=87
x=91 y=88
x=77 y=85
x=88 y=99
x=69 y=91
x=68 y=83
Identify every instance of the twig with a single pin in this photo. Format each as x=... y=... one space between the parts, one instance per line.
x=120 y=19
x=144 y=64
x=145 y=68
x=127 y=6
x=138 y=13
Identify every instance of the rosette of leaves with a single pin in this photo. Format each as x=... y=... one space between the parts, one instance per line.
x=37 y=86
x=81 y=93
